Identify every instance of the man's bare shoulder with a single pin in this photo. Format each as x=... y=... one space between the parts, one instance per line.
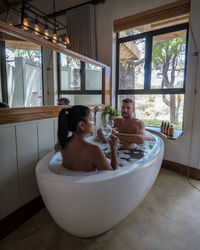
x=140 y=123
x=140 y=126
x=118 y=120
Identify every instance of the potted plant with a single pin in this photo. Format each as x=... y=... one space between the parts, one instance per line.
x=109 y=113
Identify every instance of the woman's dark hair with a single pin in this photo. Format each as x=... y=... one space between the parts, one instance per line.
x=68 y=119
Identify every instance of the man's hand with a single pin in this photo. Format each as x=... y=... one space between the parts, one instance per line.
x=115 y=131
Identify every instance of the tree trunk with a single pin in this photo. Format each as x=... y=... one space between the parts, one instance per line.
x=177 y=110
x=126 y=74
x=172 y=109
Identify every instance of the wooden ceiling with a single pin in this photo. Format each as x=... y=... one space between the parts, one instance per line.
x=44 y=5
x=5 y=4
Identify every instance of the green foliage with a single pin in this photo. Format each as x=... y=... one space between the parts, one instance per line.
x=33 y=55
x=143 y=107
x=152 y=98
x=165 y=50
x=109 y=110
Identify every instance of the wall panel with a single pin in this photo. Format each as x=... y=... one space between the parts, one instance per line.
x=27 y=147
x=8 y=171
x=46 y=136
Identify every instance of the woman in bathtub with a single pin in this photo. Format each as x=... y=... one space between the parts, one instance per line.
x=77 y=153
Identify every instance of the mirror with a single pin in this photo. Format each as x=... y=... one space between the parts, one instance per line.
x=21 y=64
x=33 y=74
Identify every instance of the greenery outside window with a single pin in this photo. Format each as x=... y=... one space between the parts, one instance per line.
x=151 y=70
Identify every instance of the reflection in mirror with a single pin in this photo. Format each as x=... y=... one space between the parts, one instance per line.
x=79 y=81
x=93 y=77
x=35 y=72
x=70 y=73
x=84 y=99
x=24 y=74
x=21 y=62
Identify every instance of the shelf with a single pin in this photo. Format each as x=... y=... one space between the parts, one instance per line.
x=177 y=133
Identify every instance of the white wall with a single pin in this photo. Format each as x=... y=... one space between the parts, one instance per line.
x=177 y=151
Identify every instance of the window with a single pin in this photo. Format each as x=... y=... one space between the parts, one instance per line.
x=79 y=81
x=151 y=70
x=22 y=76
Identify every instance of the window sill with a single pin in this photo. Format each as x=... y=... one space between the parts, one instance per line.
x=155 y=130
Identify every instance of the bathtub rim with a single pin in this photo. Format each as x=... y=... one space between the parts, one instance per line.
x=43 y=172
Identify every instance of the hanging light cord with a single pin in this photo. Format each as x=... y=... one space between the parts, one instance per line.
x=54 y=11
x=196 y=54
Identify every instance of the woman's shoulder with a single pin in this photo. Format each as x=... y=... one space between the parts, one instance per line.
x=92 y=150
x=92 y=146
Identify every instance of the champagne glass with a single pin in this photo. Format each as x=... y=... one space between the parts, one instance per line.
x=106 y=130
x=112 y=123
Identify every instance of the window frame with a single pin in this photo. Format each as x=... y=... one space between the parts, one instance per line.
x=82 y=90
x=4 y=86
x=148 y=62
x=4 y=82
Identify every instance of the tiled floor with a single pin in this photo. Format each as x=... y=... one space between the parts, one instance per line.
x=167 y=219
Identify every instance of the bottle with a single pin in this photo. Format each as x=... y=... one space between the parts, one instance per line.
x=171 y=131
x=164 y=127
x=161 y=127
x=167 y=129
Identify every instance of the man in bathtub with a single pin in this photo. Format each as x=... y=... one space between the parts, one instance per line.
x=128 y=129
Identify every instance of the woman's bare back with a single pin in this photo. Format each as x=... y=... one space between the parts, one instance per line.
x=83 y=156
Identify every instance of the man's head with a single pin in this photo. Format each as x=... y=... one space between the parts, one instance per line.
x=127 y=108
x=63 y=101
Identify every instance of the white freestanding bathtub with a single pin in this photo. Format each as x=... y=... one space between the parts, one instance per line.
x=87 y=204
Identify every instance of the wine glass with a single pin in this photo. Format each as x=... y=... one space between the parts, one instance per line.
x=106 y=130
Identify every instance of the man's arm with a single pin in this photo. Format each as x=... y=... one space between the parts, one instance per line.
x=137 y=138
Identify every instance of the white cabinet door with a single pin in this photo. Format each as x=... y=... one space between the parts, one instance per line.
x=8 y=172
x=27 y=148
x=45 y=137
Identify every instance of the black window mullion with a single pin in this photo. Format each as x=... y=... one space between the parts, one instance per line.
x=186 y=52
x=3 y=72
x=42 y=55
x=151 y=91
x=82 y=75
x=154 y=32
x=58 y=73
x=147 y=66
x=81 y=92
x=117 y=70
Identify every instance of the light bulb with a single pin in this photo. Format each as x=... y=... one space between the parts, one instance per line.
x=36 y=28
x=25 y=23
x=67 y=40
x=55 y=38
x=46 y=33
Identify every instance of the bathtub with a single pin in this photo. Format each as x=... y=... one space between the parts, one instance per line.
x=87 y=204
